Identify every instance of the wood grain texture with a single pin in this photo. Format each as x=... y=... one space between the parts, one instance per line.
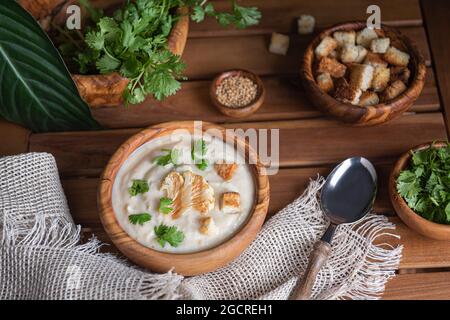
x=244 y=111
x=437 y=14
x=86 y=153
x=419 y=286
x=251 y=53
x=190 y=263
x=370 y=115
x=280 y=15
x=318 y=257
x=13 y=138
x=285 y=99
x=410 y=218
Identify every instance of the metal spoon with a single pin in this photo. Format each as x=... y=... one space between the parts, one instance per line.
x=346 y=197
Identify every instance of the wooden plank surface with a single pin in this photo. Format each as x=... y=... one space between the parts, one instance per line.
x=285 y=100
x=13 y=138
x=437 y=13
x=206 y=57
x=303 y=143
x=280 y=15
x=419 y=286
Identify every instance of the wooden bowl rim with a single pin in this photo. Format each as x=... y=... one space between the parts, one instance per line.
x=400 y=165
x=232 y=247
x=245 y=110
x=408 y=96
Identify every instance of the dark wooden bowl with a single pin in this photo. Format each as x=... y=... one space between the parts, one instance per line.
x=243 y=111
x=103 y=90
x=190 y=263
x=371 y=115
x=409 y=217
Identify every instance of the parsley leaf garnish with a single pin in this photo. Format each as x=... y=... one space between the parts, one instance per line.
x=198 y=153
x=134 y=43
x=165 y=234
x=138 y=187
x=165 y=205
x=139 y=218
x=171 y=156
x=425 y=185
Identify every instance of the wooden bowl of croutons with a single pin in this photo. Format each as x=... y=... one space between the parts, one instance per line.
x=362 y=76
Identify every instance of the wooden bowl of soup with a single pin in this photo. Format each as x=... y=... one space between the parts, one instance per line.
x=188 y=196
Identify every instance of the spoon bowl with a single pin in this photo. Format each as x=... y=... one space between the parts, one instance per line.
x=347 y=196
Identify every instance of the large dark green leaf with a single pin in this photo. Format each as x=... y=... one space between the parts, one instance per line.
x=36 y=89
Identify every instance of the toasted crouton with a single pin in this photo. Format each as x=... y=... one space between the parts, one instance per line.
x=325 y=47
x=334 y=54
x=380 y=45
x=351 y=53
x=394 y=90
x=331 y=66
x=400 y=73
x=231 y=202
x=345 y=37
x=374 y=60
x=380 y=80
x=396 y=57
x=225 y=170
x=279 y=44
x=368 y=98
x=305 y=24
x=325 y=82
x=205 y=224
x=365 y=37
x=346 y=93
x=361 y=76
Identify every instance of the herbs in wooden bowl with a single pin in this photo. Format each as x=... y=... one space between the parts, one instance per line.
x=126 y=53
x=420 y=189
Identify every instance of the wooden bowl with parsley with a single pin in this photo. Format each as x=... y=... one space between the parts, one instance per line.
x=419 y=188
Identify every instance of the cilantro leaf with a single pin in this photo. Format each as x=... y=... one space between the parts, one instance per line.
x=139 y=218
x=138 y=186
x=165 y=205
x=134 y=42
x=425 y=185
x=165 y=234
x=171 y=156
x=198 y=153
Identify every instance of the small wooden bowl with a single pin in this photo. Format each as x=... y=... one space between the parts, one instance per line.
x=243 y=111
x=103 y=90
x=409 y=217
x=190 y=263
x=371 y=115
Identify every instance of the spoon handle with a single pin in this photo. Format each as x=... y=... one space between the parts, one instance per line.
x=317 y=259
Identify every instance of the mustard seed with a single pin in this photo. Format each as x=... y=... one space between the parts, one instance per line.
x=236 y=91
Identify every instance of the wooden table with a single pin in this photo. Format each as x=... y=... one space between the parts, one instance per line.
x=310 y=143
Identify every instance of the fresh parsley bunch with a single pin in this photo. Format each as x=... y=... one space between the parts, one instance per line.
x=425 y=186
x=133 y=42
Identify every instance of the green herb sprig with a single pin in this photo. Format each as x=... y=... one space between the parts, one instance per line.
x=138 y=186
x=172 y=156
x=198 y=153
x=165 y=205
x=165 y=234
x=425 y=185
x=139 y=218
x=133 y=42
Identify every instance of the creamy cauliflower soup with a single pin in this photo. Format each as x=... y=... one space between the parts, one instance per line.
x=167 y=202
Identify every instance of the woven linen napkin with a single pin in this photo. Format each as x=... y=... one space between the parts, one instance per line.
x=41 y=256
